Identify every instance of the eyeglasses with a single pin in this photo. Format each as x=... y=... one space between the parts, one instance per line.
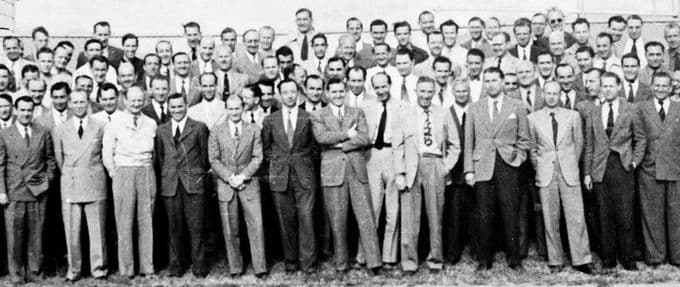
x=556 y=21
x=511 y=84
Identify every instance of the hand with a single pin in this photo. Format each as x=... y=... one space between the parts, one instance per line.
x=352 y=132
x=338 y=145
x=470 y=178
x=232 y=182
x=400 y=182
x=633 y=166
x=588 y=182
x=239 y=179
x=3 y=198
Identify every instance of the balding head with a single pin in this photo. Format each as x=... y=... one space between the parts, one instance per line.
x=126 y=74
x=347 y=47
x=206 y=47
x=556 y=43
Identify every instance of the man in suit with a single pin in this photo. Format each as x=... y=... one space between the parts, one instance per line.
x=152 y=64
x=299 y=44
x=427 y=148
x=229 y=81
x=343 y=135
x=634 y=89
x=130 y=44
x=268 y=102
x=182 y=80
x=210 y=110
x=58 y=112
x=496 y=143
x=556 y=20
x=182 y=160
x=614 y=146
x=659 y=174
x=634 y=43
x=252 y=113
x=582 y=35
x=101 y=31
x=157 y=109
x=6 y=116
x=605 y=58
x=477 y=40
x=205 y=62
x=314 y=87
x=525 y=49
x=474 y=65
x=452 y=48
x=12 y=58
x=402 y=31
x=364 y=49
x=164 y=51
x=289 y=147
x=538 y=23
x=41 y=39
x=557 y=49
x=435 y=42
x=128 y=147
x=671 y=32
x=250 y=62
x=404 y=87
x=316 y=65
x=556 y=144
x=347 y=49
x=109 y=103
x=502 y=59
x=78 y=152
x=356 y=86
x=655 y=61
x=98 y=66
x=584 y=59
x=27 y=167
x=569 y=97
x=530 y=92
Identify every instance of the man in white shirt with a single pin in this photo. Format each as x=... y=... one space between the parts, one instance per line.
x=382 y=55
x=14 y=49
x=442 y=76
x=314 y=85
x=6 y=118
x=404 y=87
x=204 y=63
x=158 y=109
x=300 y=43
x=58 y=113
x=93 y=50
x=546 y=67
x=210 y=110
x=317 y=64
x=634 y=90
x=634 y=44
x=356 y=80
x=474 y=66
x=605 y=58
x=250 y=94
x=36 y=90
x=452 y=49
x=109 y=103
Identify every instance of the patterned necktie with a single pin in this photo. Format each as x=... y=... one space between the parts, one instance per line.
x=495 y=111
x=525 y=54
x=404 y=91
x=163 y=115
x=441 y=94
x=662 y=112
x=554 y=128
x=531 y=105
x=290 y=131
x=80 y=130
x=252 y=117
x=184 y=90
x=567 y=101
x=380 y=138
x=236 y=133
x=134 y=120
x=610 y=120
x=631 y=96
x=303 y=51
x=427 y=129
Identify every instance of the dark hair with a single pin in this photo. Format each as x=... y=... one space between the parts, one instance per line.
x=159 y=78
x=495 y=70
x=377 y=22
x=381 y=44
x=635 y=17
x=661 y=75
x=314 y=77
x=521 y=22
x=100 y=24
x=435 y=33
x=29 y=68
x=630 y=56
x=441 y=59
x=58 y=86
x=357 y=68
x=64 y=44
x=402 y=24
x=605 y=35
x=180 y=54
x=304 y=10
x=99 y=58
x=580 y=21
x=83 y=77
x=283 y=81
x=654 y=43
x=334 y=81
x=350 y=19
x=39 y=29
x=44 y=50
x=544 y=53
x=129 y=36
x=585 y=49
x=270 y=83
x=449 y=22
x=257 y=92
x=92 y=41
x=283 y=51
x=176 y=96
x=475 y=18
x=108 y=86
x=424 y=79
x=191 y=24
x=617 y=19
x=320 y=36
x=23 y=99
x=405 y=51
x=475 y=52
x=336 y=59
x=150 y=55
x=6 y=97
x=228 y=30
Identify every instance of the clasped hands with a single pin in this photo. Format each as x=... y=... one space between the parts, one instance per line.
x=351 y=133
x=237 y=181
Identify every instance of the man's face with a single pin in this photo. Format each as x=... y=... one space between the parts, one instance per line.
x=99 y=70
x=249 y=99
x=159 y=90
x=654 y=56
x=177 y=109
x=450 y=35
x=223 y=59
x=551 y=95
x=319 y=46
x=354 y=28
x=28 y=76
x=603 y=48
x=267 y=96
x=252 y=41
x=381 y=87
x=45 y=62
x=474 y=65
x=151 y=66
x=676 y=82
x=126 y=76
x=109 y=100
x=24 y=112
x=545 y=65
x=426 y=22
x=270 y=68
x=229 y=39
x=584 y=60
x=616 y=30
x=523 y=35
x=555 y=19
x=425 y=92
x=630 y=68
x=59 y=100
x=5 y=110
x=62 y=56
x=134 y=101
x=436 y=43
x=378 y=33
x=130 y=48
x=510 y=83
x=12 y=49
x=4 y=79
x=93 y=49
x=565 y=77
x=403 y=35
x=404 y=64
x=348 y=49
x=672 y=37
x=538 y=25
x=634 y=28
x=592 y=83
x=182 y=63
x=475 y=28
x=335 y=70
x=610 y=88
x=381 y=55
x=581 y=33
x=288 y=93
x=266 y=39
x=102 y=33
x=526 y=74
x=78 y=104
x=85 y=84
x=442 y=73
x=206 y=50
x=40 y=41
x=208 y=87
x=164 y=50
x=498 y=43
x=299 y=75
x=356 y=82
x=234 y=110
x=285 y=61
x=193 y=35
x=336 y=94
x=493 y=27
x=661 y=86
x=556 y=46
x=303 y=21
x=36 y=90
x=493 y=84
x=461 y=94
x=314 y=90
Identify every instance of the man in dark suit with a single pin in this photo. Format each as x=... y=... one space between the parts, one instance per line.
x=347 y=49
x=612 y=152
x=289 y=145
x=402 y=31
x=584 y=59
x=660 y=173
x=151 y=68
x=314 y=87
x=477 y=40
x=102 y=32
x=569 y=97
x=157 y=109
x=182 y=162
x=130 y=44
x=634 y=90
x=525 y=49
x=27 y=166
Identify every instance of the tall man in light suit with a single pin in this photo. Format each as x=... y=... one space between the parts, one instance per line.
x=235 y=150
x=496 y=143
x=182 y=161
x=427 y=148
x=78 y=151
x=343 y=135
x=27 y=167
x=556 y=145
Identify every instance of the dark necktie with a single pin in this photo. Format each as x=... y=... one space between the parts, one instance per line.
x=252 y=117
x=633 y=49
x=340 y=117
x=531 y=105
x=177 y=134
x=193 y=54
x=236 y=133
x=525 y=54
x=318 y=67
x=134 y=120
x=303 y=51
x=495 y=111
x=554 y=128
x=610 y=120
x=462 y=122
x=631 y=96
x=499 y=63
x=404 y=91
x=662 y=112
x=441 y=94
x=567 y=101
x=225 y=87
x=184 y=90
x=313 y=108
x=99 y=91
x=80 y=130
x=380 y=138
x=291 y=131
x=427 y=129
x=676 y=60
x=27 y=138
x=163 y=115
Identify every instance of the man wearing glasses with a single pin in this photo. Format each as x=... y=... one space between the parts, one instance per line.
x=556 y=20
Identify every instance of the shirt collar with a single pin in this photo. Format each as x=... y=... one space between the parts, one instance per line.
x=499 y=99
x=181 y=124
x=76 y=121
x=335 y=109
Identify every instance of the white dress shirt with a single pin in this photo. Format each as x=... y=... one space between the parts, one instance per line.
x=291 y=113
x=59 y=117
x=22 y=130
x=182 y=82
x=411 y=81
x=208 y=112
x=626 y=88
x=491 y=101
x=76 y=122
x=313 y=108
x=6 y=124
x=476 y=89
x=105 y=117
x=356 y=101
x=666 y=105
x=572 y=98
x=157 y=108
x=179 y=124
x=234 y=126
x=605 y=111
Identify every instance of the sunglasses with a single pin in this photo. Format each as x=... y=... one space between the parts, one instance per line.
x=556 y=21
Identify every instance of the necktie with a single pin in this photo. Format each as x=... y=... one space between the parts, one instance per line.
x=163 y=115
x=634 y=49
x=462 y=122
x=193 y=54
x=379 y=139
x=236 y=133
x=531 y=106
x=184 y=90
x=318 y=67
x=303 y=51
x=525 y=54
x=108 y=116
x=340 y=118
x=290 y=132
x=225 y=87
x=252 y=117
x=604 y=65
x=134 y=120
x=441 y=94
x=499 y=63
x=427 y=129
x=495 y=111
x=177 y=134
x=404 y=91
x=80 y=130
x=313 y=108
x=676 y=60
x=610 y=120
x=27 y=138
x=567 y=101
x=631 y=97
x=662 y=112
x=554 y=128
x=99 y=91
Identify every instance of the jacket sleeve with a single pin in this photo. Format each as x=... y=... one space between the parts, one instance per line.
x=215 y=157
x=533 y=149
x=256 y=158
x=203 y=134
x=109 y=148
x=578 y=135
x=361 y=139
x=639 y=136
x=58 y=148
x=3 y=164
x=398 y=144
x=267 y=138
x=50 y=162
x=322 y=134
x=523 y=141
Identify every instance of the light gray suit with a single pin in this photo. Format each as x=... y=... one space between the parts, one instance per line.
x=83 y=188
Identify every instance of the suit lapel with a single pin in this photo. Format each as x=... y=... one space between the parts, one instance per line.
x=561 y=125
x=299 y=125
x=15 y=138
x=651 y=109
x=623 y=108
x=188 y=129
x=86 y=140
x=502 y=115
x=485 y=114
x=671 y=113
x=599 y=129
x=280 y=129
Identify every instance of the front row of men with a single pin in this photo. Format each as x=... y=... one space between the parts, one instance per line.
x=390 y=154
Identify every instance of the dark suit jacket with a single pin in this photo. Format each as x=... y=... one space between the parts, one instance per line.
x=662 y=156
x=115 y=56
x=186 y=162
x=457 y=174
x=304 y=105
x=643 y=93
x=535 y=50
x=419 y=55
x=149 y=111
x=139 y=67
x=19 y=163
x=285 y=159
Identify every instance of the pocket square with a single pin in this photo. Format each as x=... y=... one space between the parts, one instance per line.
x=512 y=116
